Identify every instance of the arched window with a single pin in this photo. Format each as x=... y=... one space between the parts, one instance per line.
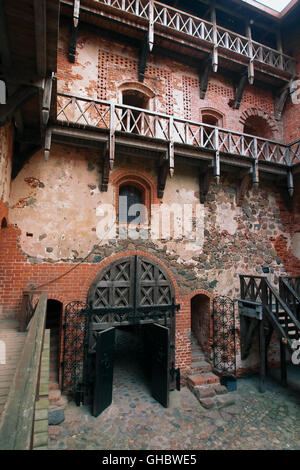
x=212 y=118
x=4 y=223
x=131 y=204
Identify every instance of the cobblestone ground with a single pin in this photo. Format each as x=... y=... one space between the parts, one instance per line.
x=135 y=421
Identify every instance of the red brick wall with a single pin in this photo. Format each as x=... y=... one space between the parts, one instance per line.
x=175 y=85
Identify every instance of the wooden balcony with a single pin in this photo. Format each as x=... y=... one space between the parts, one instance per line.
x=109 y=126
x=166 y=25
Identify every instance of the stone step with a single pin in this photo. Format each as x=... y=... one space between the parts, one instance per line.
x=202 y=379
x=202 y=366
x=54 y=396
x=53 y=385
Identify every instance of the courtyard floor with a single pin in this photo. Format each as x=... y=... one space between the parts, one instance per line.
x=135 y=421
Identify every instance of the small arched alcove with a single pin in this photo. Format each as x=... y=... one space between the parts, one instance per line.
x=200 y=320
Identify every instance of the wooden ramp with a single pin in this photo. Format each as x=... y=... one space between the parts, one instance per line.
x=14 y=343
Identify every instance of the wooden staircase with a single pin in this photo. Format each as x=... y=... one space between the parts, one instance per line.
x=262 y=306
x=14 y=344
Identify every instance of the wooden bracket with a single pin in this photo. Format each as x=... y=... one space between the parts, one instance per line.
x=162 y=175
x=75 y=24
x=143 y=57
x=243 y=187
x=47 y=100
x=251 y=176
x=205 y=180
x=280 y=100
x=239 y=90
x=105 y=169
x=205 y=73
x=48 y=138
x=290 y=183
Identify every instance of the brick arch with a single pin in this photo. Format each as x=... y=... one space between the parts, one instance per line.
x=137 y=86
x=123 y=254
x=142 y=180
x=259 y=114
x=203 y=325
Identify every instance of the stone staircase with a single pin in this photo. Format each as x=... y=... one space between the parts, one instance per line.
x=203 y=383
x=14 y=344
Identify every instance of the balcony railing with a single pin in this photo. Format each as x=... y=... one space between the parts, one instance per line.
x=97 y=114
x=166 y=16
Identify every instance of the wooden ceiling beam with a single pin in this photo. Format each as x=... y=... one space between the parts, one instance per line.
x=40 y=26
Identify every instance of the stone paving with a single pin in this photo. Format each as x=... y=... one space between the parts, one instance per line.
x=135 y=421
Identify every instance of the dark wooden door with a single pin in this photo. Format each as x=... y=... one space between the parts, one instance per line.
x=160 y=364
x=104 y=365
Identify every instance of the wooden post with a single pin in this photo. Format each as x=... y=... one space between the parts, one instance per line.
x=112 y=136
x=217 y=173
x=151 y=26
x=215 y=60
x=171 y=147
x=262 y=353
x=250 y=49
x=279 y=48
x=283 y=371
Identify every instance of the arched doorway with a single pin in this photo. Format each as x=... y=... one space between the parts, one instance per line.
x=132 y=297
x=201 y=321
x=53 y=323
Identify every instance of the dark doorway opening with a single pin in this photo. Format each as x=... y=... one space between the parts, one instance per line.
x=133 y=364
x=53 y=323
x=200 y=320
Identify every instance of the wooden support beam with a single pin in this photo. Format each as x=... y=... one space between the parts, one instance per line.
x=290 y=183
x=15 y=101
x=280 y=100
x=162 y=175
x=19 y=124
x=109 y=151
x=250 y=51
x=5 y=50
x=3 y=92
x=171 y=148
x=283 y=370
x=262 y=353
x=248 y=328
x=75 y=25
x=239 y=90
x=151 y=26
x=40 y=29
x=143 y=57
x=215 y=60
x=48 y=139
x=243 y=187
x=105 y=169
x=205 y=180
x=205 y=73
x=47 y=100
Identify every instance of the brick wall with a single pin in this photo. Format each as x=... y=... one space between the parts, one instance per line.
x=103 y=66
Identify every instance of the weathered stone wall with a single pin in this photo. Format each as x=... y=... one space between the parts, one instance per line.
x=54 y=206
